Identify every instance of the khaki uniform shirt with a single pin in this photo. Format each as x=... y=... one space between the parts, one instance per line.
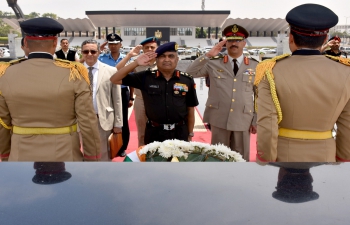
x=314 y=94
x=230 y=102
x=36 y=93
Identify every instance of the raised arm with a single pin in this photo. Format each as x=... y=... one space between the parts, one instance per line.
x=134 y=52
x=142 y=60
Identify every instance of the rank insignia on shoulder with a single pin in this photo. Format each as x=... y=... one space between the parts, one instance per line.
x=186 y=74
x=220 y=70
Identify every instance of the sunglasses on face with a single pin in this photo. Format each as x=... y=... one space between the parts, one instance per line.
x=93 y=52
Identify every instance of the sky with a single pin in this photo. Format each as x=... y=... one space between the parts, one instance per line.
x=239 y=9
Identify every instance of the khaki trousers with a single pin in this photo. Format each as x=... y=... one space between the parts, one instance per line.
x=141 y=119
x=238 y=141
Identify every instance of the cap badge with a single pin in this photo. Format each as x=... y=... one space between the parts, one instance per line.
x=153 y=39
x=235 y=29
x=113 y=36
x=158 y=34
x=176 y=46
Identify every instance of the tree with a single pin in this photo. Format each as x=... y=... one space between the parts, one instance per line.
x=50 y=15
x=32 y=15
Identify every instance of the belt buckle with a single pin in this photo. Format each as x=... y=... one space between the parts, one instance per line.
x=169 y=126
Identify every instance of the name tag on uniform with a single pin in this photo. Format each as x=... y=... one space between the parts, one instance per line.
x=153 y=86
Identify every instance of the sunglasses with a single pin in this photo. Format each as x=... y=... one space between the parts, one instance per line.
x=235 y=40
x=93 y=52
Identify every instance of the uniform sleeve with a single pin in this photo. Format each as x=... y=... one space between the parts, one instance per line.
x=87 y=120
x=199 y=67
x=343 y=134
x=267 y=124
x=135 y=80
x=5 y=134
x=191 y=99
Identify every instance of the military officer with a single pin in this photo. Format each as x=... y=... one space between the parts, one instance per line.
x=169 y=95
x=147 y=45
x=229 y=108
x=334 y=44
x=41 y=101
x=301 y=97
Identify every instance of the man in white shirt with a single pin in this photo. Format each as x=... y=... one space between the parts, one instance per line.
x=66 y=53
x=106 y=96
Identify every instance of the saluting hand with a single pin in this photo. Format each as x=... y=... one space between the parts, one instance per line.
x=216 y=49
x=103 y=46
x=144 y=59
x=135 y=51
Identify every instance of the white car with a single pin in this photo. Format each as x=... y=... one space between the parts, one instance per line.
x=5 y=53
x=126 y=50
x=264 y=50
x=181 y=50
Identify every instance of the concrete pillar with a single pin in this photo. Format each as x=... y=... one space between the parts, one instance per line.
x=99 y=32
x=216 y=32
x=209 y=30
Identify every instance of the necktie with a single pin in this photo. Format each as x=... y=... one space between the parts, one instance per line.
x=91 y=77
x=235 y=67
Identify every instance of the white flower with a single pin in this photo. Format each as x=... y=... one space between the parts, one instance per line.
x=177 y=148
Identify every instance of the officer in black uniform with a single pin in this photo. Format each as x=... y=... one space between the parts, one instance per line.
x=334 y=44
x=169 y=95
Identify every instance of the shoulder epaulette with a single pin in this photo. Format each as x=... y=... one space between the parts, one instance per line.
x=266 y=66
x=341 y=60
x=254 y=59
x=186 y=75
x=264 y=69
x=217 y=57
x=5 y=65
x=77 y=69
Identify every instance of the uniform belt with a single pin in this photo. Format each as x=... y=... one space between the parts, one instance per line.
x=44 y=130
x=304 y=134
x=166 y=126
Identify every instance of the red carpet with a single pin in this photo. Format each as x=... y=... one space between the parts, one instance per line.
x=201 y=134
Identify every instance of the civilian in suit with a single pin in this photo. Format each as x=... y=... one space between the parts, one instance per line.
x=230 y=107
x=106 y=97
x=66 y=53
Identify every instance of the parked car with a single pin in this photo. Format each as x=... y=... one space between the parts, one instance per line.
x=127 y=49
x=181 y=50
x=207 y=49
x=264 y=51
x=253 y=51
x=346 y=50
x=5 y=53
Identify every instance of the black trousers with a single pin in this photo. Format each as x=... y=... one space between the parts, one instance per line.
x=159 y=134
x=125 y=129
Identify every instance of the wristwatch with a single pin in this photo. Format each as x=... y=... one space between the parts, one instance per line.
x=191 y=134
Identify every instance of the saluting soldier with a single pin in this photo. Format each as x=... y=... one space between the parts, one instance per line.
x=169 y=95
x=302 y=96
x=41 y=101
x=334 y=44
x=147 y=45
x=229 y=108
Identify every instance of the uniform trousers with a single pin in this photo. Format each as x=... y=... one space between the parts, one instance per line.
x=238 y=141
x=159 y=134
x=105 y=148
x=125 y=130
x=141 y=119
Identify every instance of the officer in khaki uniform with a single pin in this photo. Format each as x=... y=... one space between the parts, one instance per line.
x=42 y=99
x=229 y=108
x=147 y=45
x=302 y=96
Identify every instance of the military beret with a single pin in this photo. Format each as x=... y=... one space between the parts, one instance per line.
x=149 y=40
x=311 y=19
x=167 y=47
x=41 y=28
x=235 y=32
x=114 y=38
x=336 y=38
